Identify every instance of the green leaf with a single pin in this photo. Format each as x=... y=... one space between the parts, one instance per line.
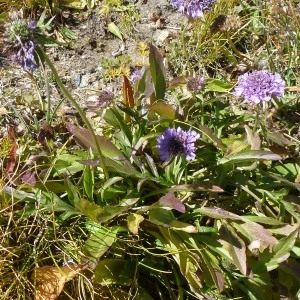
x=121 y=167
x=88 y=181
x=216 y=85
x=282 y=249
x=157 y=72
x=161 y=216
x=115 y=271
x=163 y=109
x=211 y=136
x=68 y=33
x=113 y=28
x=73 y=196
x=100 y=241
x=67 y=164
x=249 y=156
x=76 y=4
x=89 y=209
x=133 y=222
x=182 y=226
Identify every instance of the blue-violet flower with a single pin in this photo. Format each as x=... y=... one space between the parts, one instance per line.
x=259 y=86
x=25 y=56
x=175 y=142
x=137 y=74
x=192 y=8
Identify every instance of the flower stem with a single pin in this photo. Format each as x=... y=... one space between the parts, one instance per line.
x=77 y=107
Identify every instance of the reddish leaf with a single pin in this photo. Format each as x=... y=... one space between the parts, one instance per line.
x=197 y=187
x=127 y=93
x=169 y=200
x=29 y=177
x=176 y=81
x=10 y=161
x=127 y=96
x=85 y=138
x=235 y=246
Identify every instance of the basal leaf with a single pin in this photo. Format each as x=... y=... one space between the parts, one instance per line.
x=249 y=156
x=114 y=29
x=169 y=200
x=256 y=232
x=89 y=209
x=218 y=213
x=197 y=187
x=100 y=241
x=211 y=136
x=163 y=109
x=235 y=247
x=85 y=138
x=115 y=271
x=186 y=227
x=128 y=97
x=157 y=72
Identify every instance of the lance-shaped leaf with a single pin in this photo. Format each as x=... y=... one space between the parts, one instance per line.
x=114 y=29
x=127 y=96
x=211 y=136
x=170 y=201
x=85 y=138
x=235 y=246
x=249 y=156
x=218 y=213
x=123 y=167
x=282 y=249
x=157 y=72
x=197 y=187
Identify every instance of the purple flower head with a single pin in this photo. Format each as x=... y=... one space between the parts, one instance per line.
x=175 y=142
x=192 y=8
x=195 y=84
x=137 y=74
x=32 y=25
x=25 y=57
x=259 y=86
x=102 y=100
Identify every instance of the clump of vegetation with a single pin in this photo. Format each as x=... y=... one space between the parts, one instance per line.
x=187 y=187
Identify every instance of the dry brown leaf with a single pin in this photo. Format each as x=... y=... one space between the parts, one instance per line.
x=49 y=281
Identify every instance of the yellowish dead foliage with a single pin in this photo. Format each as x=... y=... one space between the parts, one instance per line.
x=49 y=281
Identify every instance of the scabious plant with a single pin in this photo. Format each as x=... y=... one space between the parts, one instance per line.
x=259 y=86
x=174 y=142
x=195 y=84
x=25 y=56
x=102 y=100
x=192 y=8
x=20 y=38
x=137 y=74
